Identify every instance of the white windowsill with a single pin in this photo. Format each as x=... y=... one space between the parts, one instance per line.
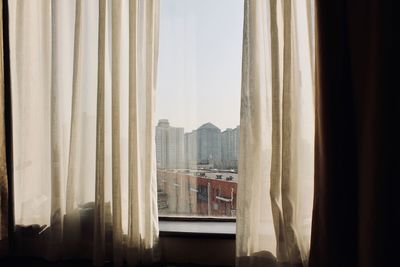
x=198 y=228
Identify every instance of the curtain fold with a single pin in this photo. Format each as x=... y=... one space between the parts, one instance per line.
x=277 y=114
x=99 y=209
x=357 y=144
x=3 y=163
x=83 y=75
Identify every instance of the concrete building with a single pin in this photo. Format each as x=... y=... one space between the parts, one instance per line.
x=230 y=143
x=175 y=148
x=169 y=146
x=191 y=150
x=209 y=144
x=161 y=143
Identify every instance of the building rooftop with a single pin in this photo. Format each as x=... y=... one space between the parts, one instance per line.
x=163 y=123
x=208 y=125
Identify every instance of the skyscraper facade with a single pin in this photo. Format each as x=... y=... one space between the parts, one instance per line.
x=175 y=148
x=191 y=150
x=230 y=143
x=169 y=146
x=209 y=144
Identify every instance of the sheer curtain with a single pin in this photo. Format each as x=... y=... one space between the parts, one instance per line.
x=277 y=134
x=83 y=79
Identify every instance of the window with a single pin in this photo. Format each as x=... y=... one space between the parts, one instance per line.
x=198 y=104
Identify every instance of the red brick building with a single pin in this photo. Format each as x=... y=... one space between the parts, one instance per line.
x=196 y=194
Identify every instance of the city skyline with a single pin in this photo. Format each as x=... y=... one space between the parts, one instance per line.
x=201 y=124
x=207 y=146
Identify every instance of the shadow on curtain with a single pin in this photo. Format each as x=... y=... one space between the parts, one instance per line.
x=83 y=76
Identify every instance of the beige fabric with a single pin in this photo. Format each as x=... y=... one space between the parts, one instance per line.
x=83 y=75
x=3 y=163
x=99 y=217
x=277 y=116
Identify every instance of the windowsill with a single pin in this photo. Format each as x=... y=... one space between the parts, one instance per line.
x=198 y=229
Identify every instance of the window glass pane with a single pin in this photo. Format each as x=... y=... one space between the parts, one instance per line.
x=198 y=105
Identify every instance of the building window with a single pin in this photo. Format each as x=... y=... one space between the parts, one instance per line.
x=197 y=107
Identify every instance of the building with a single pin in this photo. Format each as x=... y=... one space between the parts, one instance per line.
x=197 y=193
x=230 y=143
x=191 y=150
x=209 y=145
x=175 y=148
x=161 y=143
x=169 y=146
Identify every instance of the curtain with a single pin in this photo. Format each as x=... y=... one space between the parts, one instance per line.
x=357 y=142
x=276 y=150
x=3 y=163
x=83 y=79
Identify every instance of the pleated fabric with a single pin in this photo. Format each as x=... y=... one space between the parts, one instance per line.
x=3 y=163
x=277 y=117
x=83 y=79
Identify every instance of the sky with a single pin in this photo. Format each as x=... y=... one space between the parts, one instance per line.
x=199 y=64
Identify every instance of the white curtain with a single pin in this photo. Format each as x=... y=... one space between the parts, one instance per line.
x=277 y=134
x=83 y=78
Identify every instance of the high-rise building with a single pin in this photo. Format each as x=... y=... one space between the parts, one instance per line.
x=191 y=150
x=209 y=144
x=175 y=148
x=230 y=143
x=169 y=146
x=161 y=143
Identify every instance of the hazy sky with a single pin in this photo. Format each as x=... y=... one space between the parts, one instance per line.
x=199 y=64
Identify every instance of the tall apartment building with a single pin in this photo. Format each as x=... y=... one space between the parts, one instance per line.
x=209 y=144
x=230 y=143
x=191 y=150
x=169 y=146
